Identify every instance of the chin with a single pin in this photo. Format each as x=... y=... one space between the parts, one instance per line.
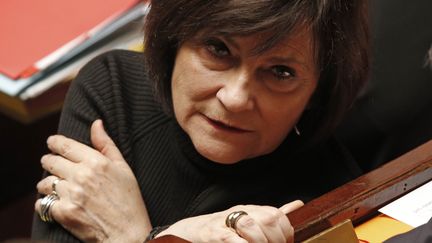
x=220 y=156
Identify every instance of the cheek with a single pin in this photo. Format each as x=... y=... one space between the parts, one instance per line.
x=194 y=81
x=192 y=87
x=179 y=82
x=280 y=115
x=278 y=125
x=185 y=78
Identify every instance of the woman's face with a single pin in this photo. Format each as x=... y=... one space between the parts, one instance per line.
x=235 y=104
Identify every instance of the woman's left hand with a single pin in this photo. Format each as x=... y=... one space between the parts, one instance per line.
x=99 y=197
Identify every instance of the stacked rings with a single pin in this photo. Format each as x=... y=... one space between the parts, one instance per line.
x=232 y=219
x=45 y=205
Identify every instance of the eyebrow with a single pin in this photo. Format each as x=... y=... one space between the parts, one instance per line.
x=288 y=60
x=280 y=59
x=231 y=41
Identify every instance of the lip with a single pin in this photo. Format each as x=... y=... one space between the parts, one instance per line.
x=219 y=125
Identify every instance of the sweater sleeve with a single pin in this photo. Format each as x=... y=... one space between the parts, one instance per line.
x=94 y=94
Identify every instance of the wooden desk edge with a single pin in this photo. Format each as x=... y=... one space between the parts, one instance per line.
x=362 y=196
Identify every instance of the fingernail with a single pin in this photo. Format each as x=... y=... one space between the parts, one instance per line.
x=101 y=123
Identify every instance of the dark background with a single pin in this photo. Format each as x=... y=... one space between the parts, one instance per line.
x=394 y=114
x=21 y=148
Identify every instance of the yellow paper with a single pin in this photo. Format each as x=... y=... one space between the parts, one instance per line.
x=380 y=228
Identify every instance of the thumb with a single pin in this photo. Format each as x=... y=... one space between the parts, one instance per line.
x=289 y=207
x=103 y=143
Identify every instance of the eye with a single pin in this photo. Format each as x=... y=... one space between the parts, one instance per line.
x=217 y=48
x=282 y=72
x=281 y=78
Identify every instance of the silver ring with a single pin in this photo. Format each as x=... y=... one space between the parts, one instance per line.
x=232 y=219
x=45 y=206
x=54 y=184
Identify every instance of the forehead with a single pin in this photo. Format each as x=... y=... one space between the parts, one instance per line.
x=299 y=40
x=298 y=46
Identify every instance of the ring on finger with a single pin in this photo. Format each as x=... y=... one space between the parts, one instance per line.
x=232 y=219
x=54 y=185
x=45 y=207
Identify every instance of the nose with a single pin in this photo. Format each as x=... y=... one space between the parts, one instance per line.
x=236 y=94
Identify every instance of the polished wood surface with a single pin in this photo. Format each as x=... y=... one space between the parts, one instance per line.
x=359 y=198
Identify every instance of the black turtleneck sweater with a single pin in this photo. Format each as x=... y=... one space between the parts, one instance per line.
x=175 y=180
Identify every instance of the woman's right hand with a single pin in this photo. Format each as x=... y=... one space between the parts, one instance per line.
x=261 y=224
x=98 y=196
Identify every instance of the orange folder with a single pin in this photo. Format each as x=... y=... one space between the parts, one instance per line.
x=32 y=30
x=380 y=228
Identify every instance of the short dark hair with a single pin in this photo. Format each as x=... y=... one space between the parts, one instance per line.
x=340 y=33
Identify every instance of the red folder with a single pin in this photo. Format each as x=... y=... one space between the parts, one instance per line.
x=31 y=30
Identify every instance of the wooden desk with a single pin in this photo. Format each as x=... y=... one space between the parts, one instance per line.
x=359 y=199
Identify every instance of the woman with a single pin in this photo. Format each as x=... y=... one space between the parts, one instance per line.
x=231 y=108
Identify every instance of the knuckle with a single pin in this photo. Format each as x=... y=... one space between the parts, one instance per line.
x=85 y=177
x=245 y=222
x=70 y=215
x=77 y=195
x=108 y=146
x=271 y=217
x=100 y=165
x=93 y=161
x=65 y=148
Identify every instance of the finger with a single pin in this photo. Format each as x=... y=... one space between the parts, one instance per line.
x=249 y=230
x=72 y=150
x=37 y=207
x=289 y=207
x=287 y=228
x=45 y=186
x=70 y=217
x=103 y=143
x=58 y=166
x=273 y=223
x=77 y=221
x=56 y=210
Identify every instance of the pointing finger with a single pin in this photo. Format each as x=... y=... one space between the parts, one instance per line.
x=289 y=207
